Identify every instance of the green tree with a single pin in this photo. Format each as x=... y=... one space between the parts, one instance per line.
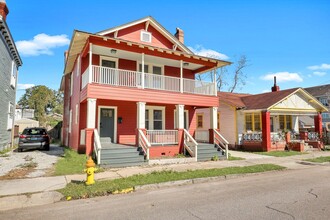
x=42 y=99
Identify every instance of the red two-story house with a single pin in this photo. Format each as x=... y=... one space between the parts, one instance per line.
x=134 y=85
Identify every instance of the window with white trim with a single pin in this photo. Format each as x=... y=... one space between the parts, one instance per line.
x=10 y=116
x=185 y=120
x=70 y=121
x=199 y=120
x=13 y=76
x=146 y=36
x=155 y=118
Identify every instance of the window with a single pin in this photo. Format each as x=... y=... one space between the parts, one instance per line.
x=252 y=122
x=218 y=120
x=13 y=74
x=199 y=120
x=10 y=116
x=325 y=115
x=324 y=101
x=146 y=36
x=155 y=117
x=285 y=122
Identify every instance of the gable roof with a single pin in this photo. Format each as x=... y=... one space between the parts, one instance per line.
x=264 y=101
x=322 y=90
x=150 y=21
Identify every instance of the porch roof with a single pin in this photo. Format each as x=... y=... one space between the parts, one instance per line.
x=284 y=100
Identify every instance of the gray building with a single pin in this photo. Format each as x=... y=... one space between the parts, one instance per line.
x=322 y=93
x=9 y=63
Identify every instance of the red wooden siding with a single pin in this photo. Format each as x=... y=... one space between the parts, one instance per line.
x=127 y=64
x=146 y=95
x=175 y=72
x=133 y=34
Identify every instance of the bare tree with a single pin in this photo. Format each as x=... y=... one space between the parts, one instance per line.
x=239 y=76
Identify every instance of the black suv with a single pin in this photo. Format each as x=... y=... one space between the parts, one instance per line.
x=33 y=138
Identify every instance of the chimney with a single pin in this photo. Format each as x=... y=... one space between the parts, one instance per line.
x=179 y=34
x=3 y=9
x=275 y=88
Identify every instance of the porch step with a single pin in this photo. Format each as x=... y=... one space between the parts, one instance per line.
x=206 y=151
x=116 y=155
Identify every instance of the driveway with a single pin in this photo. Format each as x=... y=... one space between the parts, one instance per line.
x=31 y=163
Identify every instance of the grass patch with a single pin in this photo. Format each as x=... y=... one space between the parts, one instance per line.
x=235 y=158
x=281 y=153
x=71 y=163
x=319 y=159
x=79 y=190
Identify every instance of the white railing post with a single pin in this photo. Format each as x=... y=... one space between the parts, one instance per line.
x=181 y=76
x=142 y=68
x=90 y=71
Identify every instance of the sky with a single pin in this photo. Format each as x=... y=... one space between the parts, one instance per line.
x=286 y=38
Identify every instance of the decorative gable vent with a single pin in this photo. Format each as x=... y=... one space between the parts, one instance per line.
x=146 y=36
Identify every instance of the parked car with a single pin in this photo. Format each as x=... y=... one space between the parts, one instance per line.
x=34 y=138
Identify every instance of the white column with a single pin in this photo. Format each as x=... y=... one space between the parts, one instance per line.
x=142 y=63
x=91 y=112
x=215 y=81
x=90 y=76
x=213 y=117
x=181 y=76
x=180 y=116
x=141 y=120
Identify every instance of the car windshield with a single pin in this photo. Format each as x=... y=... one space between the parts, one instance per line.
x=34 y=131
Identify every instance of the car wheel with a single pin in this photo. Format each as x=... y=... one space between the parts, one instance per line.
x=46 y=147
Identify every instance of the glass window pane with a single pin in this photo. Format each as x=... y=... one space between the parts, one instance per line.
x=157 y=114
x=146 y=68
x=248 y=122
x=157 y=70
x=157 y=125
x=282 y=126
x=257 y=124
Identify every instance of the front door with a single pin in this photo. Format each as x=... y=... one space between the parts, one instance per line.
x=107 y=123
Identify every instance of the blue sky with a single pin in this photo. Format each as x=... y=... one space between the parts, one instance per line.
x=286 y=38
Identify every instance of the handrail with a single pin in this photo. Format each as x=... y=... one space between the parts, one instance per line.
x=97 y=146
x=188 y=142
x=144 y=143
x=223 y=143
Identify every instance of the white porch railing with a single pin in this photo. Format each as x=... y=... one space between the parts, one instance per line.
x=252 y=136
x=221 y=141
x=190 y=144
x=127 y=78
x=202 y=136
x=97 y=146
x=162 y=137
x=198 y=87
x=144 y=144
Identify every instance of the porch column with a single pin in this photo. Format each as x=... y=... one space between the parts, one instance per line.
x=318 y=124
x=213 y=123
x=215 y=81
x=142 y=69
x=266 y=140
x=141 y=120
x=181 y=76
x=91 y=115
x=90 y=71
x=180 y=116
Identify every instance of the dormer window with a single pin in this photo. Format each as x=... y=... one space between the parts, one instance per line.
x=146 y=36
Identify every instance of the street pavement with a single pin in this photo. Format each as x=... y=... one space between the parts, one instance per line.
x=19 y=193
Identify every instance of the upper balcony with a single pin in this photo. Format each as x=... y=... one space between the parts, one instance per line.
x=133 y=79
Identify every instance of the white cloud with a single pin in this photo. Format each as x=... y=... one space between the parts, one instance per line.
x=323 y=66
x=41 y=44
x=201 y=51
x=24 y=86
x=283 y=77
x=319 y=73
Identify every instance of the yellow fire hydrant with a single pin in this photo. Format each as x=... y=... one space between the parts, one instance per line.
x=90 y=169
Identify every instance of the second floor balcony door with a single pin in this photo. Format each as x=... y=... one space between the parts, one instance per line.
x=110 y=76
x=154 y=80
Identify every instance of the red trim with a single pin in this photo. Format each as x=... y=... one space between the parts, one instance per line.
x=266 y=140
x=318 y=124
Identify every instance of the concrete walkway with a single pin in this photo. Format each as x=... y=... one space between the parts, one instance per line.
x=20 y=193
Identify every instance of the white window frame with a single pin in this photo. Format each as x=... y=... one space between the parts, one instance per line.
x=148 y=33
x=150 y=67
x=151 y=114
x=10 y=116
x=109 y=59
x=187 y=119
x=13 y=75
x=70 y=121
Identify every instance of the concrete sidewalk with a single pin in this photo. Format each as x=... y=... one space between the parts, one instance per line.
x=19 y=193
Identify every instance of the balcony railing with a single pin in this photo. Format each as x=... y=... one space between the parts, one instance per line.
x=162 y=137
x=127 y=78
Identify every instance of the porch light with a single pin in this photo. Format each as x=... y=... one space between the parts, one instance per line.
x=185 y=64
x=113 y=51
